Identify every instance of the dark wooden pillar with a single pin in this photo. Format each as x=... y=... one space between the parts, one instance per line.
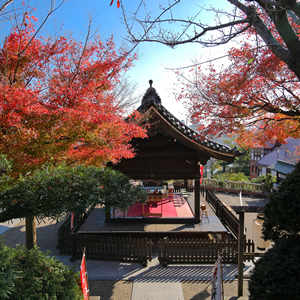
x=241 y=238
x=185 y=184
x=197 y=200
x=107 y=216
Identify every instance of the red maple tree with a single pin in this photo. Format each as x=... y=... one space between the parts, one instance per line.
x=56 y=102
x=256 y=97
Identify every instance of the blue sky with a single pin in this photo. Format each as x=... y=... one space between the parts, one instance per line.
x=153 y=57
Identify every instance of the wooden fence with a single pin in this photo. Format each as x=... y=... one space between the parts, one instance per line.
x=224 y=213
x=99 y=247
x=65 y=228
x=201 y=251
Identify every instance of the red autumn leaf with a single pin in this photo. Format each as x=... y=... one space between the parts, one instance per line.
x=118 y=3
x=57 y=102
x=256 y=97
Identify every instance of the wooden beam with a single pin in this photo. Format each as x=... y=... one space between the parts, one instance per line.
x=190 y=155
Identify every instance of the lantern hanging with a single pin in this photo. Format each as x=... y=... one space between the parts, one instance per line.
x=257 y=227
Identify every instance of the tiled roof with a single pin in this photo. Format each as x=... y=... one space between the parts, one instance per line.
x=151 y=98
x=283 y=167
x=288 y=152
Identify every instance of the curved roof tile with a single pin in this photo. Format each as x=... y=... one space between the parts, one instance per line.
x=151 y=98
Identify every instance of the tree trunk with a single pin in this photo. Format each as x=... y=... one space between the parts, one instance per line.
x=30 y=232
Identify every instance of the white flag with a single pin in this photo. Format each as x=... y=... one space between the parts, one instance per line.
x=216 y=281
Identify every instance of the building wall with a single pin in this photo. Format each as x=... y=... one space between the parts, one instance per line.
x=256 y=155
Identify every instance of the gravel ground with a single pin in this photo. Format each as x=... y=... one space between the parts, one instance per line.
x=192 y=289
x=200 y=289
x=111 y=289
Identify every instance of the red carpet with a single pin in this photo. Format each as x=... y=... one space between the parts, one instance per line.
x=168 y=210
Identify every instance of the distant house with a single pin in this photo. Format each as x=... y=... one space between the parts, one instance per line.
x=277 y=160
x=282 y=168
x=257 y=154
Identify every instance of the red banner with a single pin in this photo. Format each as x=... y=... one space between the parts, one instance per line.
x=72 y=221
x=84 y=278
x=201 y=173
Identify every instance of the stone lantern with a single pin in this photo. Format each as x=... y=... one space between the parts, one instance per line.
x=257 y=227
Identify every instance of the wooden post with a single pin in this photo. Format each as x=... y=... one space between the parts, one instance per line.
x=240 y=253
x=107 y=216
x=74 y=250
x=185 y=184
x=30 y=224
x=197 y=200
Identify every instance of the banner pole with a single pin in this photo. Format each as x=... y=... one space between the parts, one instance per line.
x=87 y=280
x=222 y=279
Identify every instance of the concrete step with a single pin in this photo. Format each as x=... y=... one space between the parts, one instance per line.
x=149 y=290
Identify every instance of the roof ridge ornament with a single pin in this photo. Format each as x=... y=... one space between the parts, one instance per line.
x=151 y=95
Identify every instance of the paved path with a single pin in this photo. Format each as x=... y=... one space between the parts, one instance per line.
x=154 y=279
x=7 y=225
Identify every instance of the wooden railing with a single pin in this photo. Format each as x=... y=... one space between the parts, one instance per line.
x=99 y=247
x=236 y=186
x=189 y=189
x=201 y=251
x=78 y=220
x=224 y=213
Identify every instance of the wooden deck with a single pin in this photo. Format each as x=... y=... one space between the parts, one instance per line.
x=95 y=223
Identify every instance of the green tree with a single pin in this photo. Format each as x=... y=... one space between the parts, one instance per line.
x=242 y=163
x=5 y=172
x=55 y=192
x=215 y=167
x=276 y=275
x=282 y=212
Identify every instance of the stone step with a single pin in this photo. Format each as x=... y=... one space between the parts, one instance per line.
x=149 y=290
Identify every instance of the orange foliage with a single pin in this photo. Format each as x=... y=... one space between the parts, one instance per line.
x=257 y=97
x=56 y=102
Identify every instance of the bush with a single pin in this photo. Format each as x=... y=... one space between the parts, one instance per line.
x=221 y=183
x=268 y=179
x=276 y=275
x=8 y=273
x=240 y=177
x=39 y=276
